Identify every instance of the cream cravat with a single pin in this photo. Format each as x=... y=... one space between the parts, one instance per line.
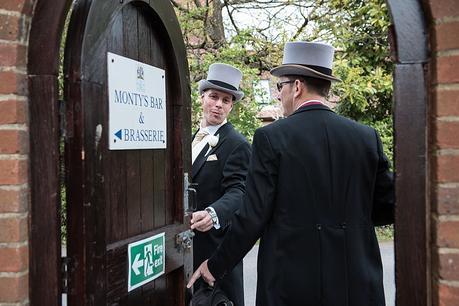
x=199 y=136
x=198 y=143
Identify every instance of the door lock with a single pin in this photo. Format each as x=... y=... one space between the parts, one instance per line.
x=184 y=239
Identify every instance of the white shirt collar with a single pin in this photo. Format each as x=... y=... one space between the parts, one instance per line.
x=212 y=129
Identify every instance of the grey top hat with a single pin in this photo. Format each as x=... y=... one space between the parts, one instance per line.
x=223 y=77
x=310 y=59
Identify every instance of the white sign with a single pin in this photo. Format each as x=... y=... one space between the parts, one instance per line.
x=137 y=105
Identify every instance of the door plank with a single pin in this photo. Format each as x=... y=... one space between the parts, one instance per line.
x=45 y=247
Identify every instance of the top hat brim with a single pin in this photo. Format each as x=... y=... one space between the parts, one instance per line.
x=204 y=85
x=292 y=69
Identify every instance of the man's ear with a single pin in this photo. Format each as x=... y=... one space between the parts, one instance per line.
x=202 y=98
x=299 y=88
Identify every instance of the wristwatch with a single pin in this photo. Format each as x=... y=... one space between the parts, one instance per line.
x=213 y=215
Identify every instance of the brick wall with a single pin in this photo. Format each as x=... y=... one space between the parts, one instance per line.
x=444 y=30
x=14 y=267
x=14 y=180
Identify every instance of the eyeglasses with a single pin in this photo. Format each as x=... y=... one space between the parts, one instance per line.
x=279 y=85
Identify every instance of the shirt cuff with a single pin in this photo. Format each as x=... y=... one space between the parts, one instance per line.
x=214 y=217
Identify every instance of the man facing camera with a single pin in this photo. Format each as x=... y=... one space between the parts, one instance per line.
x=220 y=157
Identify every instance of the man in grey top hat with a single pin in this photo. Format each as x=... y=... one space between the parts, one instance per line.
x=317 y=185
x=220 y=157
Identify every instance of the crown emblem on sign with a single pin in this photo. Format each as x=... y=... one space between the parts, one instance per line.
x=140 y=72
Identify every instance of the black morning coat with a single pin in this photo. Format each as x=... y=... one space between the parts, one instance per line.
x=317 y=185
x=221 y=184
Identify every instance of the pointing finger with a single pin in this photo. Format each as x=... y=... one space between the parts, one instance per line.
x=194 y=278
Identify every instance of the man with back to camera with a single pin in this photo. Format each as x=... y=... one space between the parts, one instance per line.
x=318 y=183
x=220 y=157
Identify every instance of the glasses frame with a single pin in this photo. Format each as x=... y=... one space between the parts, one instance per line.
x=280 y=85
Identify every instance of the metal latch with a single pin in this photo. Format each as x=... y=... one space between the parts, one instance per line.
x=189 y=195
x=184 y=239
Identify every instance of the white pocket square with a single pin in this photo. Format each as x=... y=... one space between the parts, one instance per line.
x=212 y=157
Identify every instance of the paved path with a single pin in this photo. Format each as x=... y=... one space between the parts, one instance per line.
x=387 y=254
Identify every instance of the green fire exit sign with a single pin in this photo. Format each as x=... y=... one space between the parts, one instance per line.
x=146 y=260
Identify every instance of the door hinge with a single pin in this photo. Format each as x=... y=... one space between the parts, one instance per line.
x=66 y=266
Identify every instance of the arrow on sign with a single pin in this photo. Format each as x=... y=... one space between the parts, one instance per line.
x=118 y=134
x=137 y=264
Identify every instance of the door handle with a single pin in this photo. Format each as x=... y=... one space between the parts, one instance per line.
x=189 y=196
x=192 y=198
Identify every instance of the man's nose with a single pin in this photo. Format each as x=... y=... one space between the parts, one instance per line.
x=219 y=102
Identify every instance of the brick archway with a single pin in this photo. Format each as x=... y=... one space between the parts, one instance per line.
x=38 y=34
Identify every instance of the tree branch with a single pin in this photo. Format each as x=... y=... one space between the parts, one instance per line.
x=231 y=17
x=301 y=28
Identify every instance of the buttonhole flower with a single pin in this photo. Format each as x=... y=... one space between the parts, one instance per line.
x=213 y=140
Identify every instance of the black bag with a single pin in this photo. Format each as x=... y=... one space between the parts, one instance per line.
x=210 y=296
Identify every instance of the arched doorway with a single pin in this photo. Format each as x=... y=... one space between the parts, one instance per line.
x=412 y=226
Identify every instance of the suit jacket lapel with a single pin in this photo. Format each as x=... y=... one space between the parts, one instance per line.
x=199 y=161
x=202 y=157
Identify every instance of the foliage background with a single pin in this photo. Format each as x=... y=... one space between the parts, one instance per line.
x=215 y=31
x=250 y=34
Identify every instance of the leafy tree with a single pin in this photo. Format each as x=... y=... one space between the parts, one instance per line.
x=243 y=115
x=358 y=29
x=360 y=32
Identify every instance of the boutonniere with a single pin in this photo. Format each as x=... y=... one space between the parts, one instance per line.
x=212 y=140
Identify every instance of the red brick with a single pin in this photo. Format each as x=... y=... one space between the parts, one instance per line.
x=12 y=83
x=449 y=267
x=448 y=295
x=446 y=102
x=13 y=111
x=446 y=135
x=21 y=6
x=13 y=229
x=13 y=55
x=13 y=171
x=446 y=168
x=10 y=27
x=447 y=200
x=14 y=259
x=13 y=142
x=14 y=289
x=447 y=69
x=13 y=201
x=443 y=37
x=447 y=236
x=444 y=8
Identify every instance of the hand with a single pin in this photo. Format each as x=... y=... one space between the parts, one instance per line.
x=201 y=221
x=202 y=271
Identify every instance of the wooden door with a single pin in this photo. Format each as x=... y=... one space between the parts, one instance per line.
x=119 y=197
